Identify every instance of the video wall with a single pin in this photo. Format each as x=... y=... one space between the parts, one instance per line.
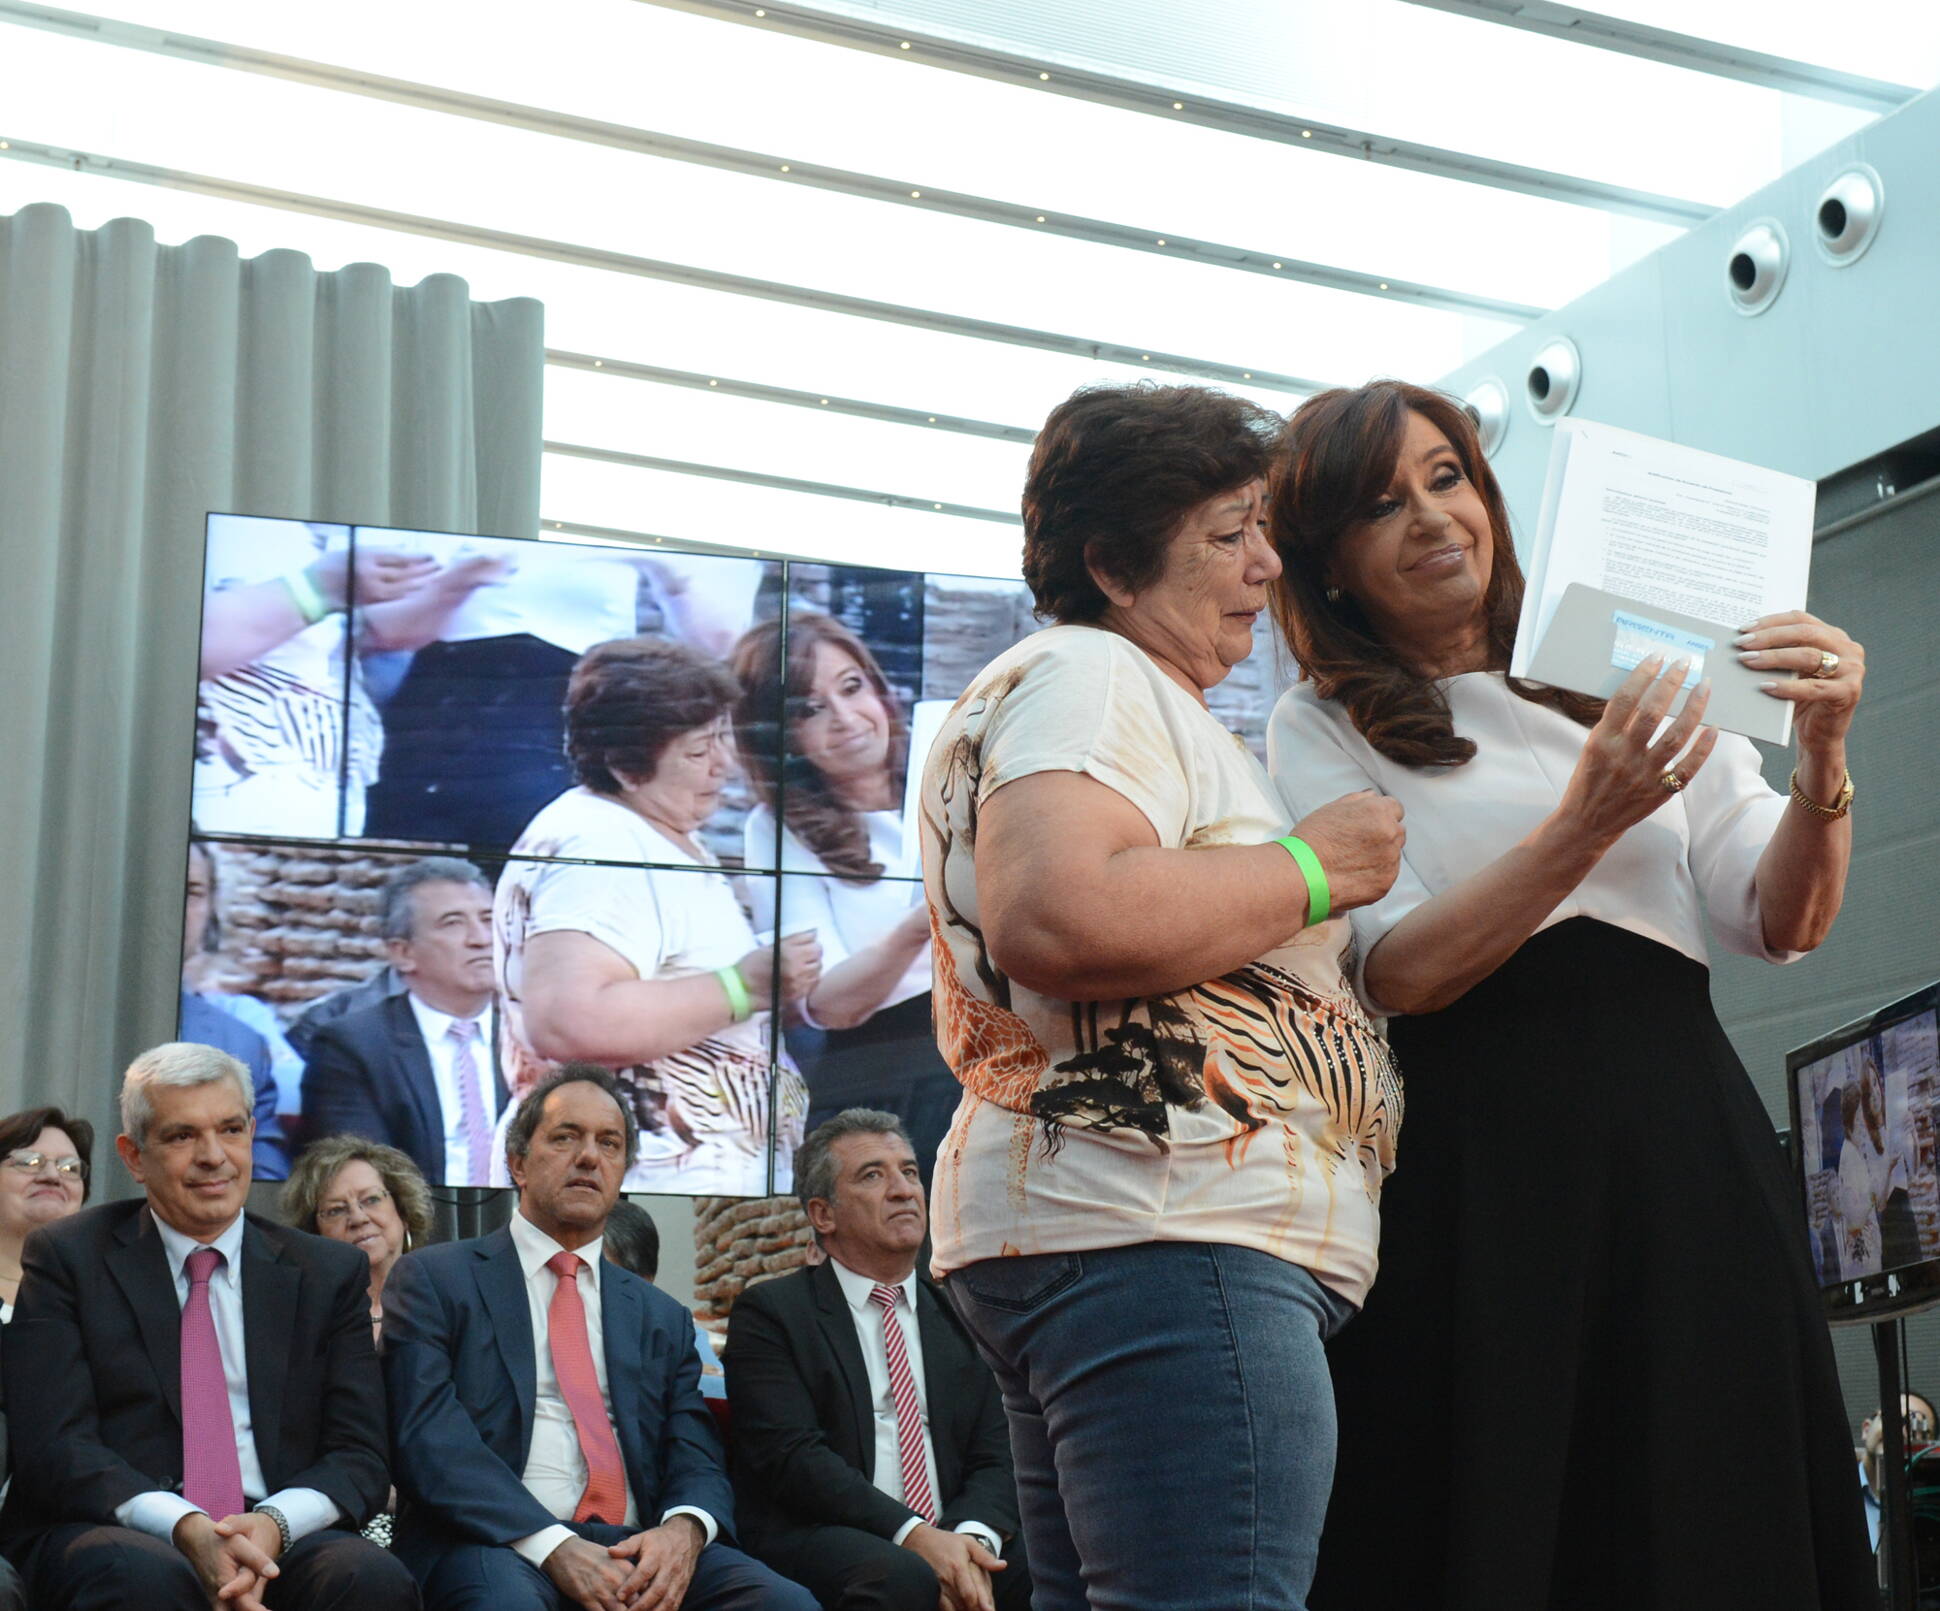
x=1869 y=1148
x=467 y=808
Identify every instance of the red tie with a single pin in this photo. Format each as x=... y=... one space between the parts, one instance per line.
x=909 y=1413
x=572 y=1362
x=211 y=1467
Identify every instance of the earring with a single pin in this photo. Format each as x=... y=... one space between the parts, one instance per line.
x=1333 y=595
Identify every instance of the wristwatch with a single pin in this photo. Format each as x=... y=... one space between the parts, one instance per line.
x=282 y=1523
x=1831 y=813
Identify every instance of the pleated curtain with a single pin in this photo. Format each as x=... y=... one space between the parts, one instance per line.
x=141 y=387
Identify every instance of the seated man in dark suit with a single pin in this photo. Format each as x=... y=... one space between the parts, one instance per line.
x=415 y=1071
x=194 y=1403
x=552 y=1445
x=871 y=1456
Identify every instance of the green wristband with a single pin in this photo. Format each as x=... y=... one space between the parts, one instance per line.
x=737 y=993
x=1319 y=897
x=304 y=595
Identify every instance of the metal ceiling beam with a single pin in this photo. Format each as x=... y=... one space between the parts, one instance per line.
x=1580 y=27
x=779 y=483
x=857 y=407
x=595 y=257
x=1227 y=116
x=777 y=167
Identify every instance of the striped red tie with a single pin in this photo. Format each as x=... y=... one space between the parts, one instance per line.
x=909 y=1413
x=579 y=1385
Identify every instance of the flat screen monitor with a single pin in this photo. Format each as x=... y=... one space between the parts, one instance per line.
x=1866 y=1152
x=465 y=808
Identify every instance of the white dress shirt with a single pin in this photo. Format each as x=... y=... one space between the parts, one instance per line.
x=555 y=1466
x=305 y=1509
x=435 y=1028
x=875 y=1359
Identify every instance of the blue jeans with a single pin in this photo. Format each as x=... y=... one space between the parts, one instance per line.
x=1171 y=1417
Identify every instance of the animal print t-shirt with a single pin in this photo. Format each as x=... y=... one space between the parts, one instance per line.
x=1257 y=1109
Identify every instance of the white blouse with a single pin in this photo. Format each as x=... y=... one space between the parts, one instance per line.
x=1688 y=867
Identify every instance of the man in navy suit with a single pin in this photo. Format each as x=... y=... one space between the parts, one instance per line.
x=553 y=1448
x=415 y=1070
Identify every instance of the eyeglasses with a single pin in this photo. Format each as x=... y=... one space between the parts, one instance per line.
x=32 y=1163
x=337 y=1213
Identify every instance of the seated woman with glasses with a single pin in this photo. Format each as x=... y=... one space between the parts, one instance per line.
x=361 y=1192
x=44 y=1163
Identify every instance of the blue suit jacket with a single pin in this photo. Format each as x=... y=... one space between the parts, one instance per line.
x=460 y=1372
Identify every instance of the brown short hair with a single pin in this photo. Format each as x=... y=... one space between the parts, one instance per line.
x=795 y=791
x=23 y=1129
x=312 y=1173
x=1114 y=472
x=630 y=698
x=1334 y=461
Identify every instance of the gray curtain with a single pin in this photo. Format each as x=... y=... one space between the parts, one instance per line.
x=141 y=387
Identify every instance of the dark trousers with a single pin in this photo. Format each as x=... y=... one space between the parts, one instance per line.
x=487 y=1577
x=82 y=1567
x=847 y=1569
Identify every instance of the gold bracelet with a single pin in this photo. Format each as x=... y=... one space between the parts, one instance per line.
x=1831 y=813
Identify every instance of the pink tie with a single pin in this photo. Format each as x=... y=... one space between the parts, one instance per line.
x=909 y=1413
x=471 y=1108
x=579 y=1385
x=211 y=1468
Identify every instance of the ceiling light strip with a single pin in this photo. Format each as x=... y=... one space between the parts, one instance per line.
x=779 y=483
x=1230 y=117
x=775 y=167
x=829 y=403
x=1781 y=73
x=594 y=257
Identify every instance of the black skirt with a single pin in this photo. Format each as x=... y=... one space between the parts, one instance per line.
x=1594 y=1370
x=888 y=1061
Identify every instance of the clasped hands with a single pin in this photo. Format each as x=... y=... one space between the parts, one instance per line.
x=961 y=1563
x=646 y=1571
x=235 y=1557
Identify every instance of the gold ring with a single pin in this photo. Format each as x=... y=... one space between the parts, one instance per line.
x=1673 y=784
x=1828 y=664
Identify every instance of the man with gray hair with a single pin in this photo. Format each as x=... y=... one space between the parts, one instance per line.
x=902 y=1500
x=195 y=1403
x=415 y=1070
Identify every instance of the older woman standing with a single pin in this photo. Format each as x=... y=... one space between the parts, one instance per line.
x=1159 y=1194
x=44 y=1161
x=364 y=1193
x=1596 y=1355
x=648 y=965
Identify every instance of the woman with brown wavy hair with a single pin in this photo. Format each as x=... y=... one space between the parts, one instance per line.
x=1590 y=1255
x=836 y=800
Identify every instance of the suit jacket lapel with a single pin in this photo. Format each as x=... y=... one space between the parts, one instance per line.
x=623 y=1320
x=838 y=1330
x=420 y=1084
x=941 y=1347
x=501 y=1283
x=269 y=1296
x=139 y=1264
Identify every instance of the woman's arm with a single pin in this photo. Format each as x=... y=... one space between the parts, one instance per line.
x=583 y=1001
x=852 y=990
x=1802 y=873
x=1078 y=900
x=1452 y=942
x=421 y=616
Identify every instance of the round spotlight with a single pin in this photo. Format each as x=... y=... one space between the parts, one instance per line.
x=1754 y=268
x=1553 y=379
x=1847 y=217
x=1487 y=404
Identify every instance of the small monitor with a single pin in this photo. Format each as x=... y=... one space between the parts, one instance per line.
x=1865 y=1103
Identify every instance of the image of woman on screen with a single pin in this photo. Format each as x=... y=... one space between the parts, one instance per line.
x=865 y=1038
x=1566 y=1276
x=648 y=964
x=1865 y=1170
